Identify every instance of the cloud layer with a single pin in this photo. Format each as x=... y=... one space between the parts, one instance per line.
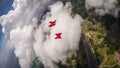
x=50 y=50
x=103 y=7
x=18 y=26
x=32 y=37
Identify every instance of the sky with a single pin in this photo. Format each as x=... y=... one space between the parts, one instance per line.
x=5 y=6
x=0 y=32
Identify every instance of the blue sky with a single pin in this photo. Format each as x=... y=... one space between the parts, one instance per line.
x=5 y=6
x=0 y=32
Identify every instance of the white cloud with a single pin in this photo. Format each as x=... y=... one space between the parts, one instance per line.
x=103 y=6
x=21 y=27
x=18 y=26
x=22 y=39
x=47 y=48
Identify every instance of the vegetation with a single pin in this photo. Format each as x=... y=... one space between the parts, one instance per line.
x=37 y=64
x=102 y=35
